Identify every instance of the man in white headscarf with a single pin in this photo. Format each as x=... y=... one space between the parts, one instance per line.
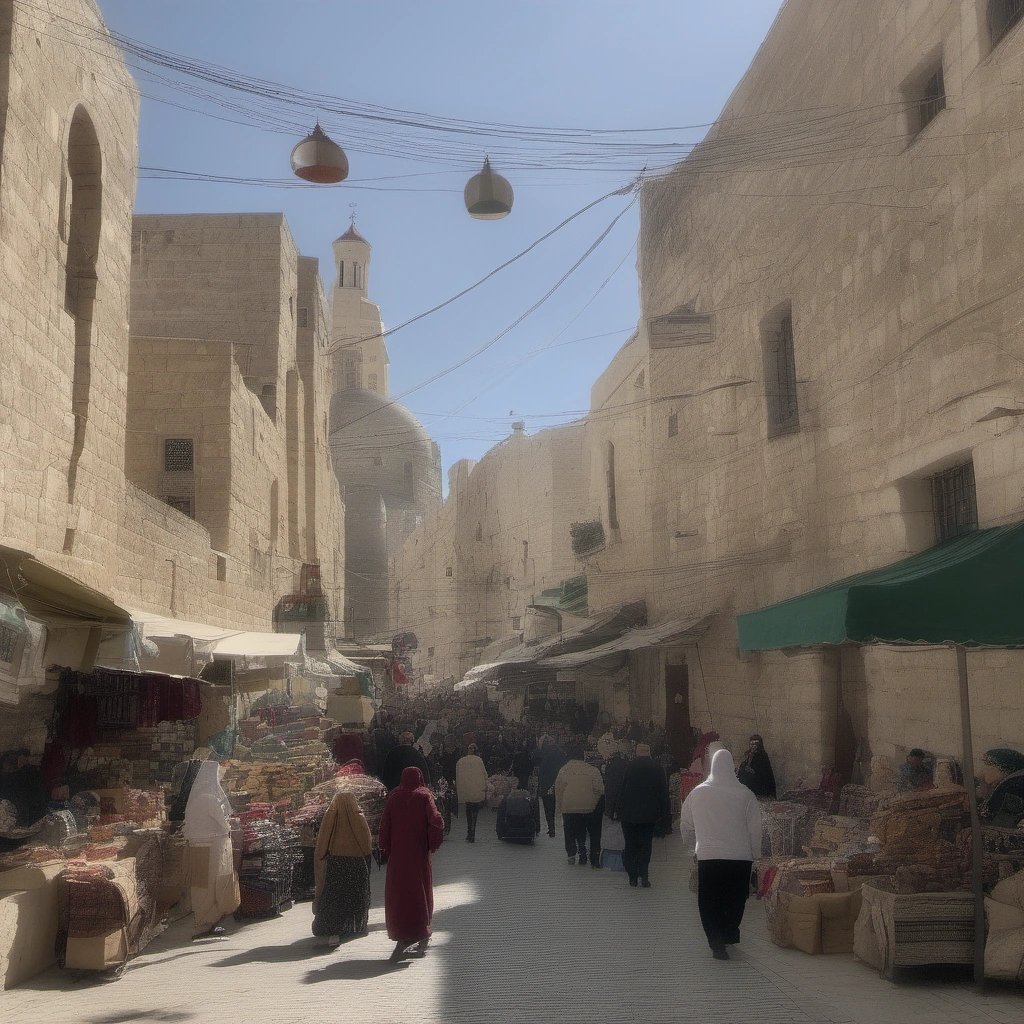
x=214 y=884
x=725 y=818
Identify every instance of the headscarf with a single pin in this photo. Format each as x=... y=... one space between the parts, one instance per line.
x=343 y=832
x=1006 y=759
x=412 y=779
x=208 y=807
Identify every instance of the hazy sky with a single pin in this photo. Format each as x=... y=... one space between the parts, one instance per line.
x=550 y=63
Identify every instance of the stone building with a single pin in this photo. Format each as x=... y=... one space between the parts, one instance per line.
x=228 y=395
x=389 y=468
x=826 y=378
x=138 y=460
x=472 y=579
x=831 y=302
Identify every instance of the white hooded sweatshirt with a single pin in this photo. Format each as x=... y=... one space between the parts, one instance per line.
x=723 y=814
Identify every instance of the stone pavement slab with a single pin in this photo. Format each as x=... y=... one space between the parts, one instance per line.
x=519 y=936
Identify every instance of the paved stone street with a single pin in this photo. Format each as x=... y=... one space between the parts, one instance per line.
x=519 y=935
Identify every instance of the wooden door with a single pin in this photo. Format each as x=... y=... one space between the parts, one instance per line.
x=677 y=713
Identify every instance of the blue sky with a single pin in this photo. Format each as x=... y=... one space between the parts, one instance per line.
x=551 y=63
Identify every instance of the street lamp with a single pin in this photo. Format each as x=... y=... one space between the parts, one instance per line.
x=320 y=160
x=488 y=195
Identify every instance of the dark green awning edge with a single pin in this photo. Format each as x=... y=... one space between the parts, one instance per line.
x=969 y=591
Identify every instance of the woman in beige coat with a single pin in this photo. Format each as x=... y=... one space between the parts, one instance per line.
x=342 y=870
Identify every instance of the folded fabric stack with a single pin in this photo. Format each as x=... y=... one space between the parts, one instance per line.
x=839 y=835
x=921 y=845
x=858 y=801
x=1004 y=948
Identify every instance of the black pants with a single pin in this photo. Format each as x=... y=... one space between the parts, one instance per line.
x=722 y=890
x=549 y=811
x=577 y=827
x=636 y=856
x=472 y=810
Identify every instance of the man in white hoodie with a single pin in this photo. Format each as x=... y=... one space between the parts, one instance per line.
x=725 y=818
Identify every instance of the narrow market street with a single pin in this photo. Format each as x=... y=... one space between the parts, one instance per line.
x=520 y=936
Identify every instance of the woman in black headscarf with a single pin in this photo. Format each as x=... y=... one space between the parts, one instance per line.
x=755 y=770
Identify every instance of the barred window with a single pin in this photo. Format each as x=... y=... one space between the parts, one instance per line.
x=954 y=502
x=780 y=372
x=1003 y=15
x=183 y=505
x=303 y=318
x=8 y=644
x=517 y=623
x=178 y=455
x=449 y=572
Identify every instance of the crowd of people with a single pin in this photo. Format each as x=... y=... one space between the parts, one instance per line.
x=610 y=789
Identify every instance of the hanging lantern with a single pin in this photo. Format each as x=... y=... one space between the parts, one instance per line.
x=488 y=195
x=320 y=160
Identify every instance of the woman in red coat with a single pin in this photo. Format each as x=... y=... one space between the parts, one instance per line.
x=410 y=831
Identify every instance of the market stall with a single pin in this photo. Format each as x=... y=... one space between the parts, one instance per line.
x=962 y=594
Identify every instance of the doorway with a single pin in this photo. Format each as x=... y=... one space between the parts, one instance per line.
x=677 y=713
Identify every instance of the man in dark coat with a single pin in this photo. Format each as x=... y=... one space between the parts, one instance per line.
x=643 y=802
x=405 y=755
x=550 y=758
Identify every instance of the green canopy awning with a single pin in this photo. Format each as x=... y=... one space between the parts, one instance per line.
x=969 y=591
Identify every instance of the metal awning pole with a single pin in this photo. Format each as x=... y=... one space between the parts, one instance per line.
x=977 y=849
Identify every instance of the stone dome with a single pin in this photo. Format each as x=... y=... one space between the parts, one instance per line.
x=380 y=444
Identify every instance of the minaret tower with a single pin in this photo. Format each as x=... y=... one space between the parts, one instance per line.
x=360 y=357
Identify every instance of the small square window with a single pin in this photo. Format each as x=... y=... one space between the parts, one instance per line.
x=517 y=622
x=449 y=572
x=178 y=455
x=673 y=424
x=430 y=652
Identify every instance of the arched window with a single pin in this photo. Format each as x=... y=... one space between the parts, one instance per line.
x=82 y=226
x=780 y=371
x=609 y=468
x=341 y=273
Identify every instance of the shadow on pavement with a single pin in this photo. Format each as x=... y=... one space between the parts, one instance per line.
x=302 y=949
x=355 y=970
x=129 y=1016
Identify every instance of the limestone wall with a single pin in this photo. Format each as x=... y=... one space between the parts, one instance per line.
x=504 y=534
x=899 y=254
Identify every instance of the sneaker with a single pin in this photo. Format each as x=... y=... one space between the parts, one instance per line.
x=645 y=883
x=633 y=883
x=333 y=941
x=719 y=952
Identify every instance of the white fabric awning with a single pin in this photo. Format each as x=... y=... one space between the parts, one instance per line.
x=669 y=634
x=219 y=641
